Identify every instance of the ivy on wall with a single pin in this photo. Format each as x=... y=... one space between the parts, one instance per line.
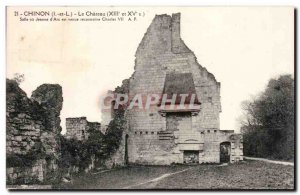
x=26 y=160
x=98 y=146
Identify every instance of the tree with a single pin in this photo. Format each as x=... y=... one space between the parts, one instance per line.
x=269 y=121
x=19 y=78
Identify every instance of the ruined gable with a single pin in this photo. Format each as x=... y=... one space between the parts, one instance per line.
x=160 y=57
x=165 y=65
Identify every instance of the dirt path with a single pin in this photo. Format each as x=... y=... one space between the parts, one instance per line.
x=251 y=174
x=156 y=179
x=270 y=161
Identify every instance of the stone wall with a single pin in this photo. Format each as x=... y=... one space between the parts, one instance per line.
x=50 y=99
x=32 y=129
x=78 y=128
x=35 y=173
x=161 y=53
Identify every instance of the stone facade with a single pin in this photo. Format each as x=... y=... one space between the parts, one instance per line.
x=32 y=128
x=78 y=128
x=34 y=173
x=159 y=136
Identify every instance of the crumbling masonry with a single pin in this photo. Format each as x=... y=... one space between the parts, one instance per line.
x=78 y=128
x=164 y=64
x=32 y=132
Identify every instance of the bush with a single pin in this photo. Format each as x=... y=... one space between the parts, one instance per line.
x=98 y=146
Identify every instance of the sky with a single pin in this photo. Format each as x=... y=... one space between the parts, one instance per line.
x=244 y=47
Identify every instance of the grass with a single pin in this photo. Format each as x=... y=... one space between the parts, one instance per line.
x=244 y=175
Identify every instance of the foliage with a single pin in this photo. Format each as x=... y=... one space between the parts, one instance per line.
x=98 y=146
x=114 y=132
x=19 y=78
x=80 y=153
x=69 y=150
x=268 y=124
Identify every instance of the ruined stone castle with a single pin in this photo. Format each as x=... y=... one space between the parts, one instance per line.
x=78 y=128
x=165 y=65
x=32 y=132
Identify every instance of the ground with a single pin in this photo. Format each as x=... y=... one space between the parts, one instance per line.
x=244 y=175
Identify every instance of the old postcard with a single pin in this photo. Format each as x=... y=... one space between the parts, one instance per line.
x=164 y=98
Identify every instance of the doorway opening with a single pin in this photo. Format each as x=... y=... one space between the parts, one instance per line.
x=225 y=152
